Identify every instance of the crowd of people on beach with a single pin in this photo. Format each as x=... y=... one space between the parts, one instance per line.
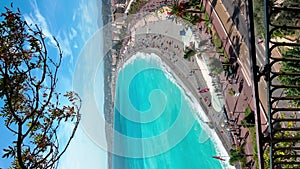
x=163 y=43
x=151 y=7
x=173 y=50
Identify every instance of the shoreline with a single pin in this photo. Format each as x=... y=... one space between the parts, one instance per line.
x=200 y=115
x=169 y=61
x=108 y=116
x=193 y=83
x=111 y=78
x=199 y=108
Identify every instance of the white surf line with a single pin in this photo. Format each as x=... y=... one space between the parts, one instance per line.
x=215 y=138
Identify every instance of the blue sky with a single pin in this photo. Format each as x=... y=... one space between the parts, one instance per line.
x=74 y=24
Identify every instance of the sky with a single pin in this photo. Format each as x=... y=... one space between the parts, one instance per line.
x=74 y=24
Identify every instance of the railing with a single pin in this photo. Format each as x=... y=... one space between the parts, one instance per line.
x=280 y=147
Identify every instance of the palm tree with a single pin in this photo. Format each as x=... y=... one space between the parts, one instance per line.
x=236 y=155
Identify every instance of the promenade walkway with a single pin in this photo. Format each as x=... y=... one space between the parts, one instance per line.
x=232 y=40
x=235 y=45
x=152 y=36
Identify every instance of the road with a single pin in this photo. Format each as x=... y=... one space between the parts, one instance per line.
x=240 y=23
x=236 y=12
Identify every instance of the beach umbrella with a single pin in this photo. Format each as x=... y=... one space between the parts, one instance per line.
x=222 y=125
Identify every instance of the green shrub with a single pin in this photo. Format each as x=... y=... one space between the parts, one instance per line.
x=231 y=92
x=188 y=53
x=226 y=60
x=249 y=119
x=235 y=156
x=217 y=41
x=247 y=111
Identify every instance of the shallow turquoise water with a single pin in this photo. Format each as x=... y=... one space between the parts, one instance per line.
x=155 y=126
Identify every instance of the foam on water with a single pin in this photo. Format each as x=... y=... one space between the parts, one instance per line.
x=193 y=104
x=173 y=78
x=201 y=116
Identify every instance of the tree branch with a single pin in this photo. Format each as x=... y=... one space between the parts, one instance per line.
x=19 y=147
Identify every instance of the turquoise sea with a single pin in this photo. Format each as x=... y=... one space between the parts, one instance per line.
x=155 y=124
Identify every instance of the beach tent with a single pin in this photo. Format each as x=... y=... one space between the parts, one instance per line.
x=182 y=32
x=170 y=17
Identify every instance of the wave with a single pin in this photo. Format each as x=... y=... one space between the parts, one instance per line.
x=200 y=115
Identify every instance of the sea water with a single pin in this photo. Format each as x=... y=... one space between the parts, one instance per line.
x=154 y=122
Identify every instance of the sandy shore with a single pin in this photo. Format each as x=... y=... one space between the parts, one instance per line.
x=150 y=35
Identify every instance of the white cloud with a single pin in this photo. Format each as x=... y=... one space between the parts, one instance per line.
x=72 y=34
x=65 y=45
x=64 y=40
x=85 y=12
x=28 y=19
x=74 y=16
x=38 y=19
x=63 y=37
x=87 y=21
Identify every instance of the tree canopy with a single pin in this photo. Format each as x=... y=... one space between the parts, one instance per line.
x=215 y=66
x=235 y=156
x=249 y=118
x=31 y=108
